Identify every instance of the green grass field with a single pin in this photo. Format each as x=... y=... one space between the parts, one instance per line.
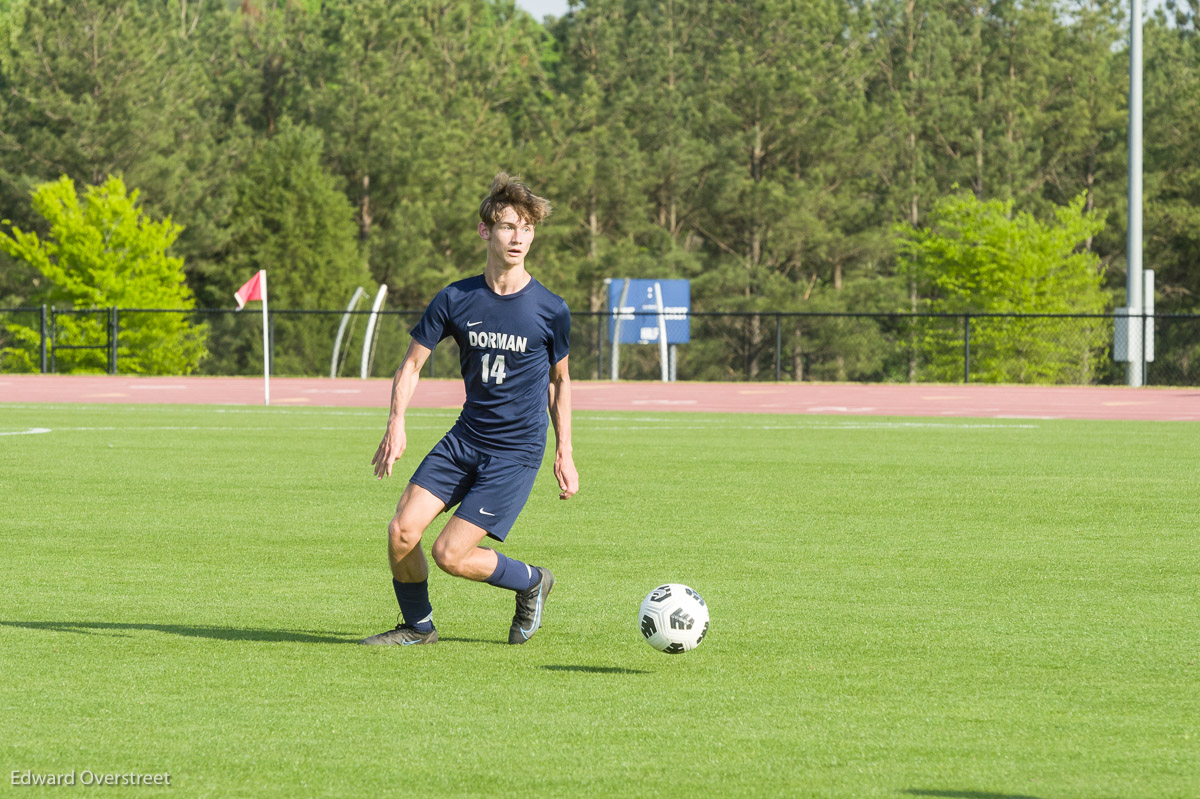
x=984 y=609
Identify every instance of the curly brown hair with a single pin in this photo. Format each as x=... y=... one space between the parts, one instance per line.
x=509 y=192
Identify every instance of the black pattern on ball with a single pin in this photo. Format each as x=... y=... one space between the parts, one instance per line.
x=648 y=626
x=680 y=620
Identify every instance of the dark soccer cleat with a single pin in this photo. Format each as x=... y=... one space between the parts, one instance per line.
x=529 y=608
x=403 y=635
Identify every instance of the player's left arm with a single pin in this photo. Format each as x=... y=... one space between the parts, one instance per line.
x=560 y=417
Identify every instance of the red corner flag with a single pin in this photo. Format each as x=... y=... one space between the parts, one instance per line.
x=256 y=289
x=253 y=289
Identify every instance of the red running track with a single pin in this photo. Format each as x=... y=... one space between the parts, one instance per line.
x=983 y=401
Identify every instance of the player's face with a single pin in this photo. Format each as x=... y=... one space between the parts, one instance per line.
x=509 y=239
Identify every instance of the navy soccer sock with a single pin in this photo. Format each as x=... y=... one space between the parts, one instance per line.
x=414 y=604
x=513 y=574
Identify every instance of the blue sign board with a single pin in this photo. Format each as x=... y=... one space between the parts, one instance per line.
x=636 y=320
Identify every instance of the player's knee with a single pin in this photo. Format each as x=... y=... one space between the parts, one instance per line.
x=402 y=537
x=447 y=559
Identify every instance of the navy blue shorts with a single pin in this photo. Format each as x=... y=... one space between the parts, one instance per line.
x=490 y=491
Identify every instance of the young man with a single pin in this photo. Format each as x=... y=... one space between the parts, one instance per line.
x=512 y=337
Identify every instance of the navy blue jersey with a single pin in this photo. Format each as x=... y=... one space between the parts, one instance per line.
x=506 y=345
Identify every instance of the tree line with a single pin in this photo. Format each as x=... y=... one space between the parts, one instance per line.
x=783 y=155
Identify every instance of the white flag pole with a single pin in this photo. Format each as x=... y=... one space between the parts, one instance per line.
x=1135 y=373
x=266 y=344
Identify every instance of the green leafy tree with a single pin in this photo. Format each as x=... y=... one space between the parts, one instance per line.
x=980 y=257
x=101 y=252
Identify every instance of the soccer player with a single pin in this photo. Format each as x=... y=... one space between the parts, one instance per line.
x=512 y=338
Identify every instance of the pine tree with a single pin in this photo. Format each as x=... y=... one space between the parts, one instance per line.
x=108 y=87
x=292 y=220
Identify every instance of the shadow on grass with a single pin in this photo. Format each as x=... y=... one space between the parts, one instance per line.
x=967 y=794
x=123 y=630
x=596 y=669
x=451 y=639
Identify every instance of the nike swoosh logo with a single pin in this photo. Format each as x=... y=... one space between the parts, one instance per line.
x=472 y=324
x=409 y=643
x=537 y=617
x=485 y=513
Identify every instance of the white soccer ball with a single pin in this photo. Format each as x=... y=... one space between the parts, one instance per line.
x=673 y=618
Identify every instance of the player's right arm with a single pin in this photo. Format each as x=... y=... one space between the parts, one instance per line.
x=404 y=384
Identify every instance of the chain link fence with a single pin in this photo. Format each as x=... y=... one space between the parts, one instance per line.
x=859 y=347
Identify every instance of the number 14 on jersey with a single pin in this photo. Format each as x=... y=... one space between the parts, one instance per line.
x=497 y=368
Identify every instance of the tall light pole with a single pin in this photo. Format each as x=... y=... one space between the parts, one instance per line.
x=1133 y=248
